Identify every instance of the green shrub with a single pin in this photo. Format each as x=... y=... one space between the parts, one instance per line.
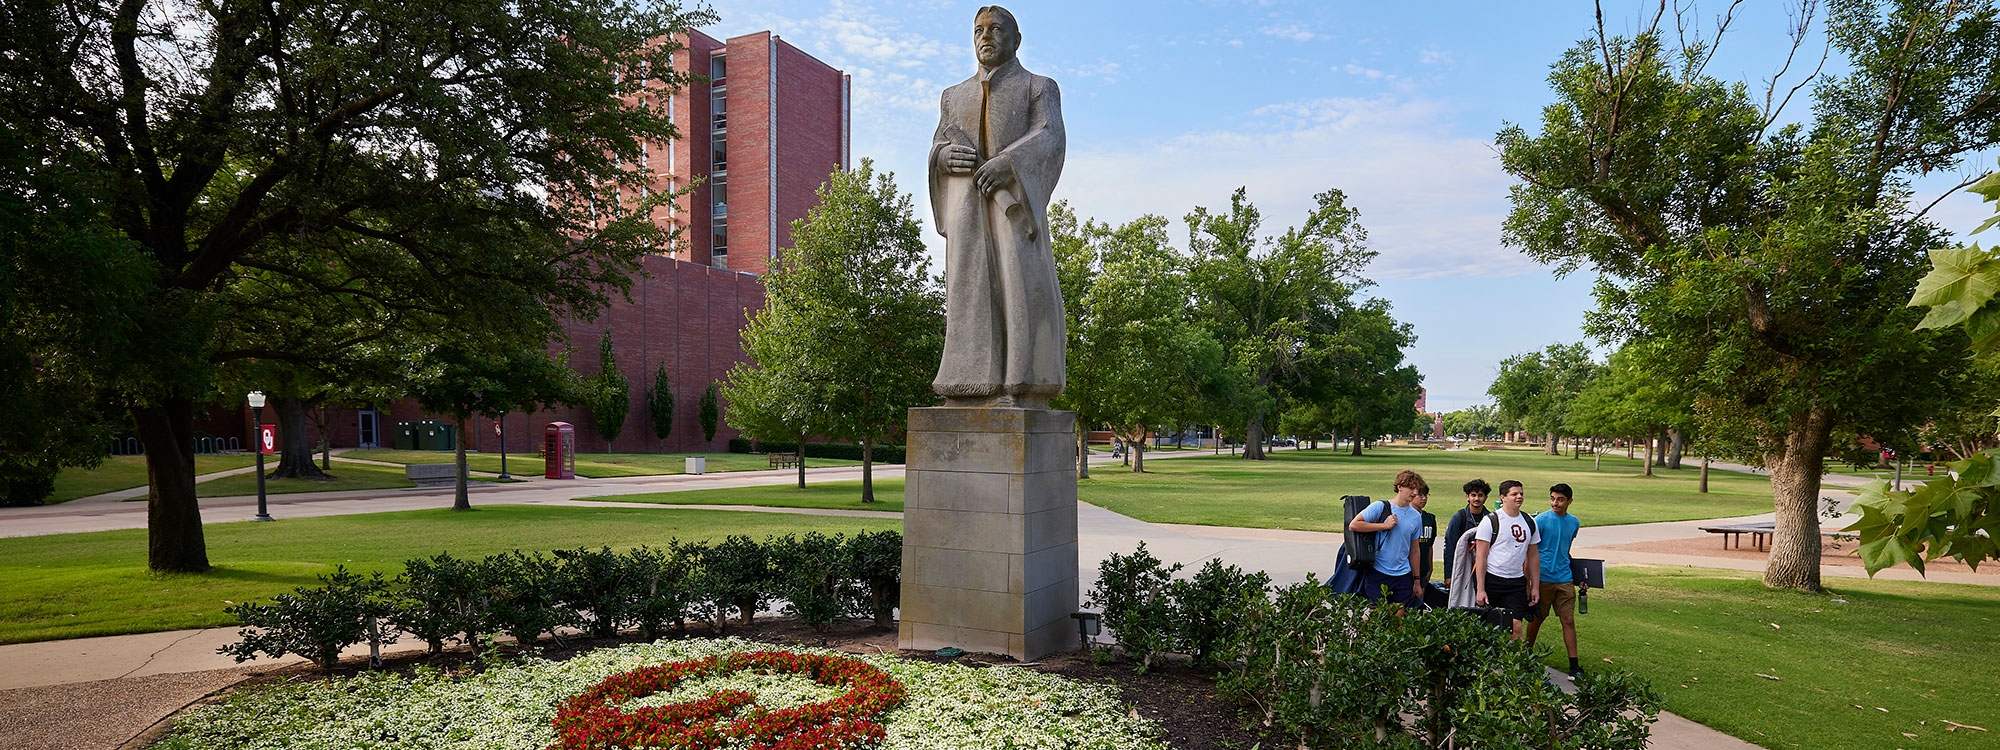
x=1134 y=593
x=1338 y=670
x=876 y=560
x=25 y=483
x=737 y=575
x=1210 y=609
x=811 y=575
x=526 y=595
x=316 y=623
x=599 y=587
x=663 y=584
x=441 y=598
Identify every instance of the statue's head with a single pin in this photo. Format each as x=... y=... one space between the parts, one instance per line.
x=995 y=36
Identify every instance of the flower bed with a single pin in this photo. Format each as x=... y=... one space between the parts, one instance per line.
x=598 y=718
x=514 y=705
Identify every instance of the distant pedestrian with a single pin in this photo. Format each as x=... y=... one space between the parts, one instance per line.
x=1397 y=527
x=1507 y=560
x=1558 y=529
x=1467 y=517
x=1427 y=538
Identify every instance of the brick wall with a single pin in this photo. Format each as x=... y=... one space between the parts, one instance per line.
x=686 y=315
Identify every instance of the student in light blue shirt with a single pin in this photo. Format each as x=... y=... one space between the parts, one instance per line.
x=1558 y=530
x=1397 y=528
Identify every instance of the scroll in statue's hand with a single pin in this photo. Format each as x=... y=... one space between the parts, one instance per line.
x=995 y=174
x=958 y=160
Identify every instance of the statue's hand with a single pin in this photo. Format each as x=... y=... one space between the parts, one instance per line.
x=958 y=160
x=995 y=174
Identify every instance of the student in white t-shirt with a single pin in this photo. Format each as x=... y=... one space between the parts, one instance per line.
x=1507 y=561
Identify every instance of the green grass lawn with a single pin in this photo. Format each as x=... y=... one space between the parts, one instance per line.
x=1302 y=489
x=1897 y=657
x=126 y=472
x=888 y=496
x=347 y=476
x=76 y=585
x=593 y=465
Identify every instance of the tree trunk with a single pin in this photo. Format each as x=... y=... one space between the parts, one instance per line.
x=801 y=456
x=174 y=542
x=1253 y=439
x=1138 y=451
x=1677 y=445
x=1553 y=449
x=1082 y=450
x=1660 y=452
x=324 y=422
x=1628 y=449
x=1356 y=439
x=460 y=499
x=1649 y=455
x=1596 y=456
x=867 y=469
x=1704 y=475
x=295 y=448
x=1795 y=472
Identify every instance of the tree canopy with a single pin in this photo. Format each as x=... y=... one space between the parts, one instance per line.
x=1771 y=258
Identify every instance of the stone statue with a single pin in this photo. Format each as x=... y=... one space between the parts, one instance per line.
x=993 y=164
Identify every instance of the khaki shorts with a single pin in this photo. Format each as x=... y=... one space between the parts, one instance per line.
x=1560 y=597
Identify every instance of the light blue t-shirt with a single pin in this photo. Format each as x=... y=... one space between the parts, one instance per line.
x=1557 y=533
x=1392 y=547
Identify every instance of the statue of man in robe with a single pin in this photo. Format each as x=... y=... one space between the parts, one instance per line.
x=993 y=164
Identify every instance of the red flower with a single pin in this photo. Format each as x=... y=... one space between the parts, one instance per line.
x=593 y=720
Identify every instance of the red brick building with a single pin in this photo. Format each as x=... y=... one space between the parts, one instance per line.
x=762 y=135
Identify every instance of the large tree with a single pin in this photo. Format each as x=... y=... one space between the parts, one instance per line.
x=1775 y=257
x=852 y=325
x=469 y=153
x=490 y=375
x=1535 y=389
x=1267 y=300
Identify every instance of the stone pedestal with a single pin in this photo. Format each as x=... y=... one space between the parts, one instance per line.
x=989 y=531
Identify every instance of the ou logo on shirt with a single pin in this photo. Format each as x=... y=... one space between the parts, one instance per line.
x=1520 y=534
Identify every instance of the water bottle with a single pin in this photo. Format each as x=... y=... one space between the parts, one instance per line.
x=1583 y=601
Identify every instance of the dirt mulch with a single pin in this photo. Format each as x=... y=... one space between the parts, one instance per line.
x=1181 y=700
x=1843 y=553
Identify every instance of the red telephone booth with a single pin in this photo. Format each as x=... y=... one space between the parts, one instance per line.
x=559 y=450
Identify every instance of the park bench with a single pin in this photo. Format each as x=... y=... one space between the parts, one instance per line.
x=432 y=475
x=784 y=460
x=1760 y=533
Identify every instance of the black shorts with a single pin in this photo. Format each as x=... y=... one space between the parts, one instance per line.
x=1510 y=594
x=1400 y=588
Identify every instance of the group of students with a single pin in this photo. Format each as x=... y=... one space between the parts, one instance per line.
x=1520 y=567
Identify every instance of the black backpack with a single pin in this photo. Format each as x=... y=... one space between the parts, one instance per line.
x=1360 y=544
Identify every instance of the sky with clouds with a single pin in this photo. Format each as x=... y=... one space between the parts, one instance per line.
x=1173 y=104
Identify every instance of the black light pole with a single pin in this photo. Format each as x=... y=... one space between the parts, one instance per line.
x=257 y=416
x=503 y=446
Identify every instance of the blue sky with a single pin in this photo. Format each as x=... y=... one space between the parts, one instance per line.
x=1171 y=105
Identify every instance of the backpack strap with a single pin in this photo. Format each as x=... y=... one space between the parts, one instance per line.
x=1493 y=519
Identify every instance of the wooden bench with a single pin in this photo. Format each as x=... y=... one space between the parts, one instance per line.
x=784 y=460
x=1760 y=534
x=432 y=475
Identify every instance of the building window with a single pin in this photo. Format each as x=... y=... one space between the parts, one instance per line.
x=718 y=68
x=718 y=242
x=718 y=107
x=718 y=150
x=642 y=154
x=718 y=197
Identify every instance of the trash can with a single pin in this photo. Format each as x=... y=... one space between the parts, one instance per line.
x=435 y=435
x=406 y=436
x=697 y=465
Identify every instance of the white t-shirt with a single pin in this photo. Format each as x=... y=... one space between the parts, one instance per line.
x=1504 y=559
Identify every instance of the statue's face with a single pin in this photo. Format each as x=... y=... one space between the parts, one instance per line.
x=994 y=39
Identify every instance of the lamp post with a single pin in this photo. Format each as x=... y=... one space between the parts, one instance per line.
x=503 y=446
x=257 y=416
x=1088 y=625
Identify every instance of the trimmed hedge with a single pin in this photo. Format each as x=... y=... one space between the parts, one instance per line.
x=884 y=454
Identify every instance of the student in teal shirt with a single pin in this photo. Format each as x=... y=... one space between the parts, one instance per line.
x=1558 y=529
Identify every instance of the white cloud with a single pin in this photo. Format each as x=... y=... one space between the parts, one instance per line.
x=1102 y=69
x=1435 y=56
x=1432 y=200
x=1235 y=42
x=1292 y=31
